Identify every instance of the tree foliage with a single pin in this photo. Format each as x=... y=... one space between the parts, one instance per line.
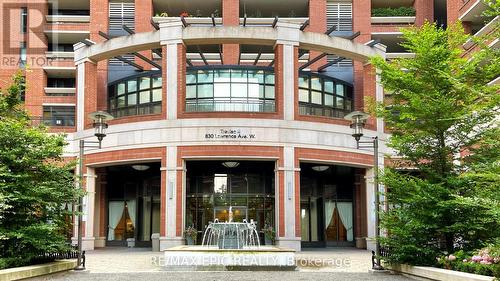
x=35 y=184
x=440 y=110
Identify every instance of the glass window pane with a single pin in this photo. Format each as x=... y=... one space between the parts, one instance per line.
x=261 y=91
x=329 y=100
x=348 y=104
x=205 y=91
x=145 y=83
x=328 y=86
x=303 y=95
x=315 y=83
x=157 y=95
x=190 y=78
x=269 y=78
x=340 y=102
x=120 y=89
x=256 y=76
x=239 y=90
x=222 y=90
x=191 y=91
x=315 y=97
x=222 y=76
x=144 y=97
x=304 y=82
x=253 y=90
x=238 y=76
x=269 y=92
x=132 y=86
x=157 y=82
x=132 y=99
x=121 y=101
x=205 y=76
x=340 y=89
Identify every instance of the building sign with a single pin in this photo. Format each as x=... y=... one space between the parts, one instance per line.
x=229 y=134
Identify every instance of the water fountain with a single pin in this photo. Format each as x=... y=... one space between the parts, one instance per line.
x=231 y=235
x=229 y=246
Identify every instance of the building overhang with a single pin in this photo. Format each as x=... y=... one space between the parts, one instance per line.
x=284 y=32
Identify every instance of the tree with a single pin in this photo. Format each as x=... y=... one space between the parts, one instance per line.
x=35 y=184
x=440 y=110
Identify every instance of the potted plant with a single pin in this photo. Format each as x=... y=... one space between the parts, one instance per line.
x=190 y=233
x=269 y=234
x=184 y=14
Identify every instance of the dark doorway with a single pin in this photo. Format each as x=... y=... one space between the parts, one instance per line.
x=133 y=204
x=327 y=205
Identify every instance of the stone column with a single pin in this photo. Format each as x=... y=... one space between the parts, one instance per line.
x=288 y=237
x=171 y=39
x=172 y=234
x=286 y=44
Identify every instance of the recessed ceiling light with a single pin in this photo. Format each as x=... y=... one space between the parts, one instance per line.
x=140 y=167
x=230 y=164
x=320 y=168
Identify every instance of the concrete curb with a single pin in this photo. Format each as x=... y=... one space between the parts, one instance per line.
x=433 y=273
x=36 y=270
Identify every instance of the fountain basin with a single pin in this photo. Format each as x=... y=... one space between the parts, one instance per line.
x=203 y=258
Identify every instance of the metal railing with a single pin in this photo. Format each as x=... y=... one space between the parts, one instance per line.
x=319 y=110
x=52 y=256
x=56 y=121
x=230 y=106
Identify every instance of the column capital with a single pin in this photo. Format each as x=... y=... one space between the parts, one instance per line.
x=288 y=33
x=171 y=31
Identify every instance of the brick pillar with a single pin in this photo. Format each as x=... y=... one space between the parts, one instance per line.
x=317 y=23
x=424 y=11
x=99 y=21
x=452 y=10
x=369 y=90
x=143 y=15
x=230 y=17
x=360 y=208
x=101 y=185
x=361 y=22
x=86 y=92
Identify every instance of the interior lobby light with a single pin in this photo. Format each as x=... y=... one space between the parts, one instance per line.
x=230 y=164
x=320 y=168
x=140 y=167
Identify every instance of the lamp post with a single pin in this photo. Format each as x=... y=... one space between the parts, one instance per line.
x=100 y=125
x=358 y=120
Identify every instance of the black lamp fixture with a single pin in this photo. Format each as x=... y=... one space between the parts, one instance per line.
x=358 y=121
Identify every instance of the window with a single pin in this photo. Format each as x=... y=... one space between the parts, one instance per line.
x=339 y=14
x=136 y=96
x=230 y=89
x=22 y=54
x=61 y=82
x=121 y=14
x=24 y=20
x=324 y=96
x=59 y=116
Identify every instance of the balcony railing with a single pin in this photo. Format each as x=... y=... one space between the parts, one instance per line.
x=227 y=105
x=55 y=121
x=318 y=110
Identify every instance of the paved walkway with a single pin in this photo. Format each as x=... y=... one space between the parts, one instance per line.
x=136 y=264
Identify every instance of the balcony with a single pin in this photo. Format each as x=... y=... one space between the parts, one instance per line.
x=58 y=91
x=485 y=30
x=207 y=21
x=60 y=55
x=393 y=20
x=61 y=19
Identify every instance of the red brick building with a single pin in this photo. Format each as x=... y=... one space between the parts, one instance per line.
x=239 y=103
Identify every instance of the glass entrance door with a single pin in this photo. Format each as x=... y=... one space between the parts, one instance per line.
x=338 y=223
x=239 y=213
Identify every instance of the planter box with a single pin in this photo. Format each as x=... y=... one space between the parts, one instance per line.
x=36 y=270
x=433 y=273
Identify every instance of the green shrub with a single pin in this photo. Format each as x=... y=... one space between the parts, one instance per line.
x=393 y=12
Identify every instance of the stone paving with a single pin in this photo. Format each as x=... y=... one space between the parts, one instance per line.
x=135 y=264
